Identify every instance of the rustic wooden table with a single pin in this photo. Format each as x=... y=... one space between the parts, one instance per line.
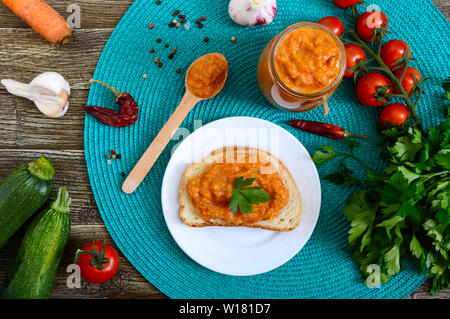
x=26 y=133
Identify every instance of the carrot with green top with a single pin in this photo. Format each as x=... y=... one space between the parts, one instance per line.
x=42 y=18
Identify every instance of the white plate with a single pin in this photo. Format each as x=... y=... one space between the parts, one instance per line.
x=241 y=251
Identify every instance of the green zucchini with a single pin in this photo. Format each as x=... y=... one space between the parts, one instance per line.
x=33 y=272
x=22 y=193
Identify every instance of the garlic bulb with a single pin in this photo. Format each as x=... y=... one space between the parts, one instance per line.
x=49 y=91
x=252 y=12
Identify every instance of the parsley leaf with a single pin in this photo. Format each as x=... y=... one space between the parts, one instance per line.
x=408 y=174
x=324 y=155
x=343 y=177
x=415 y=247
x=392 y=259
x=351 y=144
x=360 y=224
x=405 y=149
x=244 y=197
x=443 y=216
x=390 y=223
x=241 y=182
x=442 y=158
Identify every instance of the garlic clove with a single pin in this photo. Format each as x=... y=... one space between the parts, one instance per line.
x=51 y=81
x=49 y=91
x=252 y=12
x=24 y=90
x=54 y=110
x=55 y=83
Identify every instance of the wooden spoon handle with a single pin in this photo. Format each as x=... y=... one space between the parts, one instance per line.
x=160 y=142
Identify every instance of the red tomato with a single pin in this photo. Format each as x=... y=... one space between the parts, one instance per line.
x=109 y=263
x=334 y=24
x=367 y=87
x=395 y=113
x=345 y=3
x=408 y=81
x=368 y=21
x=353 y=53
x=392 y=51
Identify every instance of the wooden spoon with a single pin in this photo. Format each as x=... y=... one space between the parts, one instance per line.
x=190 y=99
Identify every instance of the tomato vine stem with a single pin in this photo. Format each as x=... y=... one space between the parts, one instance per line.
x=397 y=81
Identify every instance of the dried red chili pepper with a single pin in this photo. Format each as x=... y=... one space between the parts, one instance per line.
x=323 y=129
x=128 y=109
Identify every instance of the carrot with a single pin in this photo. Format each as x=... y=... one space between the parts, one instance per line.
x=42 y=18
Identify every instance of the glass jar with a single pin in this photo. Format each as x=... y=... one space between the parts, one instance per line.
x=277 y=92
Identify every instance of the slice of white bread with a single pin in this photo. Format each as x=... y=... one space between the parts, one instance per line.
x=288 y=218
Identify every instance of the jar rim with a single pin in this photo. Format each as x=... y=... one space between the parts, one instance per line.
x=314 y=25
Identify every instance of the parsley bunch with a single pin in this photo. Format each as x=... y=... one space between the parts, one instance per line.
x=404 y=211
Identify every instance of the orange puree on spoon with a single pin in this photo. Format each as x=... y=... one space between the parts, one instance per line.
x=207 y=75
x=308 y=60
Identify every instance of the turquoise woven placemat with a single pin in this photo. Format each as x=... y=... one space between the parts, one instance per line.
x=322 y=269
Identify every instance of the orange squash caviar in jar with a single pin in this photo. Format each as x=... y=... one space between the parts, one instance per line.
x=302 y=67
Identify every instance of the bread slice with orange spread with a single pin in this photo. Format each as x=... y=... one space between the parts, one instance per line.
x=287 y=218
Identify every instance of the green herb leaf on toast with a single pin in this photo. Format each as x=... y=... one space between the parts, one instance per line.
x=244 y=197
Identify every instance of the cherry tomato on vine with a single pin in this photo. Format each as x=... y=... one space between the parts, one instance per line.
x=395 y=113
x=334 y=24
x=345 y=3
x=369 y=21
x=392 y=51
x=409 y=80
x=367 y=87
x=354 y=54
x=99 y=265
